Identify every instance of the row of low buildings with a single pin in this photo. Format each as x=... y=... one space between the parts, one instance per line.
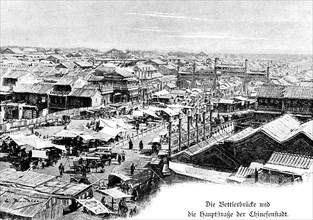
x=29 y=91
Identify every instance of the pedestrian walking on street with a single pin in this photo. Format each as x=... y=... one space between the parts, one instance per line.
x=140 y=145
x=61 y=169
x=132 y=169
x=130 y=144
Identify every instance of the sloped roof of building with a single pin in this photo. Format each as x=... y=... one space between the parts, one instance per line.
x=62 y=188
x=42 y=70
x=281 y=130
x=306 y=129
x=298 y=92
x=26 y=178
x=84 y=92
x=95 y=78
x=269 y=91
x=69 y=65
x=294 y=164
x=67 y=80
x=21 y=202
x=56 y=56
x=291 y=160
x=146 y=67
x=158 y=61
x=42 y=88
x=13 y=49
x=241 y=174
x=242 y=134
x=23 y=88
x=40 y=182
x=157 y=75
x=124 y=72
x=279 y=91
x=15 y=73
x=83 y=64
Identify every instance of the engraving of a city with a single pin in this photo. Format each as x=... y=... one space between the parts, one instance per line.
x=150 y=109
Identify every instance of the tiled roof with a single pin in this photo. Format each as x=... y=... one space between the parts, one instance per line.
x=83 y=92
x=242 y=173
x=83 y=64
x=159 y=62
x=14 y=50
x=291 y=160
x=279 y=91
x=38 y=88
x=41 y=182
x=67 y=80
x=95 y=78
x=146 y=67
x=298 y=92
x=270 y=91
x=306 y=129
x=23 y=88
x=282 y=129
x=68 y=65
x=157 y=75
x=242 y=134
x=124 y=72
x=27 y=178
x=15 y=73
x=21 y=202
x=43 y=88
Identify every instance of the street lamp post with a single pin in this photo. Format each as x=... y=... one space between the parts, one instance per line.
x=197 y=127
x=204 y=109
x=211 y=110
x=188 y=127
x=179 y=130
x=169 y=137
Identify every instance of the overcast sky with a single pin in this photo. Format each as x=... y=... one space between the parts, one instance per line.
x=211 y=26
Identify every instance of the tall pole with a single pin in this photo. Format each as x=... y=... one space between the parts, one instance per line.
x=179 y=131
x=211 y=127
x=188 y=127
x=169 y=137
x=178 y=78
x=197 y=127
x=203 y=117
x=193 y=74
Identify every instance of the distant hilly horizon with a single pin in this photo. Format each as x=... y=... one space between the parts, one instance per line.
x=169 y=52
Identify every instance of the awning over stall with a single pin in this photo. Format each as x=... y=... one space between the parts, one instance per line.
x=39 y=154
x=68 y=133
x=115 y=193
x=31 y=140
x=121 y=176
x=94 y=206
